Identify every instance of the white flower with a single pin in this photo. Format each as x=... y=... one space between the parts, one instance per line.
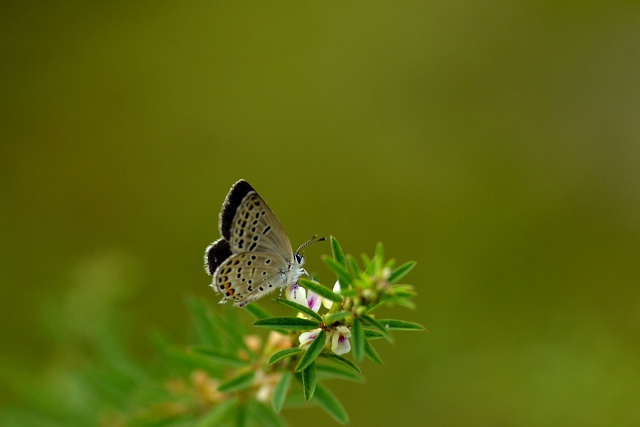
x=314 y=301
x=306 y=338
x=298 y=294
x=340 y=340
x=327 y=303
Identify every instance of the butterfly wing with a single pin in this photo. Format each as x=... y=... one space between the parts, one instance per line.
x=255 y=228
x=215 y=254
x=254 y=256
x=247 y=276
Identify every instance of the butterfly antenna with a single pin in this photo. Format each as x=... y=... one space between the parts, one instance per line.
x=310 y=242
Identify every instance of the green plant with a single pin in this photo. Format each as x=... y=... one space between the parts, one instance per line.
x=233 y=376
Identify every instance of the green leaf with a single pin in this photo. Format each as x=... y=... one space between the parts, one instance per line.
x=320 y=290
x=406 y=291
x=232 y=329
x=401 y=325
x=300 y=308
x=366 y=261
x=338 y=256
x=239 y=382
x=329 y=319
x=371 y=352
x=280 y=392
x=309 y=377
x=389 y=265
x=260 y=313
x=218 y=356
x=404 y=302
x=349 y=292
x=202 y=323
x=295 y=399
x=369 y=265
x=358 y=339
x=218 y=414
x=286 y=323
x=332 y=371
x=241 y=416
x=331 y=404
x=375 y=306
x=179 y=359
x=341 y=271
x=353 y=264
x=287 y=352
x=401 y=271
x=401 y=300
x=148 y=419
x=377 y=325
x=372 y=334
x=151 y=420
x=341 y=360
x=378 y=259
x=315 y=348
x=256 y=311
x=264 y=415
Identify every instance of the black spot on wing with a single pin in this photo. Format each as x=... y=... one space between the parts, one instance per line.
x=216 y=254
x=237 y=193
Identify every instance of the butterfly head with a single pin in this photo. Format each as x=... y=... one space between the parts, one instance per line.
x=298 y=256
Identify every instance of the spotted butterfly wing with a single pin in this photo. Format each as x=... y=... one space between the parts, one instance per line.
x=247 y=276
x=254 y=256
x=256 y=228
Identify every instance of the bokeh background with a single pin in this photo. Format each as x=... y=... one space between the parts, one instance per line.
x=495 y=143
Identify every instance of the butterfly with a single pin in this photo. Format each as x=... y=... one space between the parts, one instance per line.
x=254 y=256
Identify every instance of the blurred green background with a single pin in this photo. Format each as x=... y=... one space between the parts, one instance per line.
x=496 y=143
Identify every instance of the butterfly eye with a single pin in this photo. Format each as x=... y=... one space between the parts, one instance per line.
x=299 y=258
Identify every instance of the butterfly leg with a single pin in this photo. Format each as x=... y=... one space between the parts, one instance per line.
x=283 y=284
x=295 y=286
x=309 y=276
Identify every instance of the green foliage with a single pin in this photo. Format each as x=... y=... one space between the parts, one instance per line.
x=280 y=392
x=219 y=413
x=331 y=404
x=362 y=289
x=300 y=308
x=219 y=357
x=371 y=352
x=333 y=371
x=401 y=325
x=256 y=311
x=287 y=352
x=316 y=347
x=342 y=360
x=340 y=270
x=371 y=321
x=358 y=339
x=240 y=382
x=401 y=271
x=227 y=376
x=309 y=380
x=330 y=319
x=288 y=323
x=320 y=290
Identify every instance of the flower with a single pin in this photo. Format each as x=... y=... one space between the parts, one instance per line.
x=276 y=342
x=298 y=294
x=340 y=340
x=327 y=303
x=267 y=384
x=306 y=338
